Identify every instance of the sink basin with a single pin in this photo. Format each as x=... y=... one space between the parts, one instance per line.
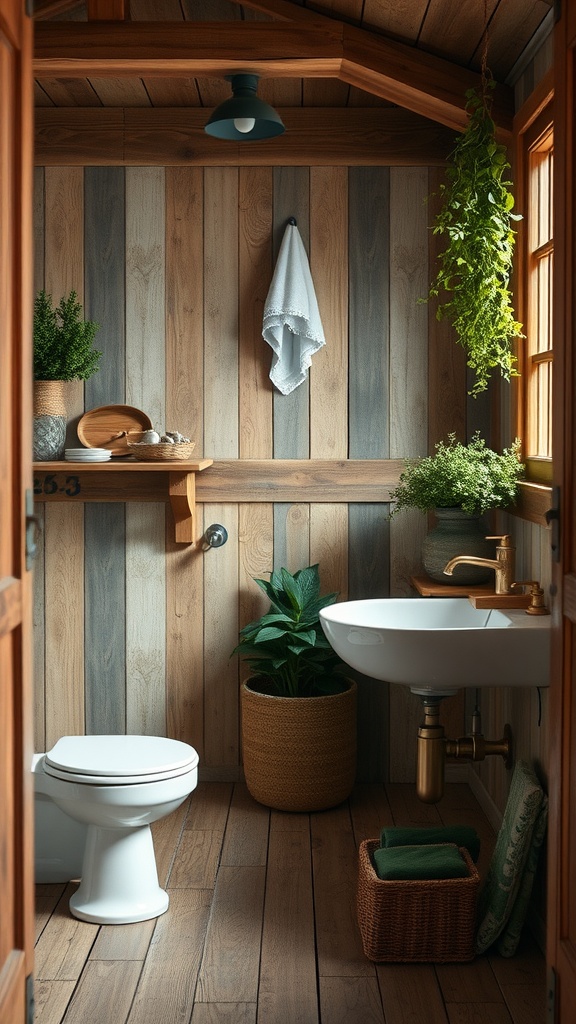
x=438 y=645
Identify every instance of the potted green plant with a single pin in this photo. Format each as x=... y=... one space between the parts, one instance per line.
x=298 y=709
x=474 y=272
x=63 y=351
x=459 y=483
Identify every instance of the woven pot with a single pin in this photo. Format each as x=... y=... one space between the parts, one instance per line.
x=49 y=420
x=456 y=533
x=299 y=752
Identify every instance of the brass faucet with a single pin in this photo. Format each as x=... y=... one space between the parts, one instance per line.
x=503 y=564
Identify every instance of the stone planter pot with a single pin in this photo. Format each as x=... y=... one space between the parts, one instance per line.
x=456 y=533
x=299 y=752
x=49 y=420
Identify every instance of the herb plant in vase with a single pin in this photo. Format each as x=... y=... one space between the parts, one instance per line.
x=459 y=483
x=62 y=351
x=298 y=709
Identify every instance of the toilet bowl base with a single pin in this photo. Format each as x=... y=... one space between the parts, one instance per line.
x=119 y=878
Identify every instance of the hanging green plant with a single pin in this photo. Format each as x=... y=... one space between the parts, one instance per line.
x=475 y=267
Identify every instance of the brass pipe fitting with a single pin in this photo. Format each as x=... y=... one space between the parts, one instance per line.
x=431 y=754
x=477 y=748
x=433 y=748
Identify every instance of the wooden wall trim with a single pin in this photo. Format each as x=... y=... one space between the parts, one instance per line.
x=175 y=136
x=250 y=480
x=309 y=480
x=282 y=480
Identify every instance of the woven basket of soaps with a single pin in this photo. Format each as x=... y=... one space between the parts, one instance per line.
x=150 y=446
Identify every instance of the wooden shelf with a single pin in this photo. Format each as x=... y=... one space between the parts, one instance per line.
x=429 y=588
x=482 y=596
x=126 y=479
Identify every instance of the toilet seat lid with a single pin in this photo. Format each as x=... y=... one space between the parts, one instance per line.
x=117 y=758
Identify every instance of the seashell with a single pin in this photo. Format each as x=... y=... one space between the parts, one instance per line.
x=150 y=437
x=167 y=439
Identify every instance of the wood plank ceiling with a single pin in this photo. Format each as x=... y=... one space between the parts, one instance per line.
x=452 y=30
x=319 y=59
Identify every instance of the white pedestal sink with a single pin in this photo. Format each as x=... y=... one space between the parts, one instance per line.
x=438 y=645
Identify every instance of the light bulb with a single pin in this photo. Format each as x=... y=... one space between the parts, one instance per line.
x=244 y=124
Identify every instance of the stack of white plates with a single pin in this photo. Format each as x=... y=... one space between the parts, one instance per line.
x=87 y=455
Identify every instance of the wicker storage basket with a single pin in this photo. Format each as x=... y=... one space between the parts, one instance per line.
x=162 y=452
x=429 y=920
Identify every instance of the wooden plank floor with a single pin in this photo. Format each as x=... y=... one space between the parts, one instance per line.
x=261 y=928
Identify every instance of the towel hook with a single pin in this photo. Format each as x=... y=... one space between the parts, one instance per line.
x=214 y=537
x=292 y=221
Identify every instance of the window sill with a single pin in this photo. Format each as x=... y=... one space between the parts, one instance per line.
x=534 y=501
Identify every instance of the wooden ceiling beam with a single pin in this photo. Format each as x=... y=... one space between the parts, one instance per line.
x=360 y=136
x=418 y=81
x=165 y=49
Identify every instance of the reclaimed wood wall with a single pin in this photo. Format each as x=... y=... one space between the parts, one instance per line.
x=133 y=632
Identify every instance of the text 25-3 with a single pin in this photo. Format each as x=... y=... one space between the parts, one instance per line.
x=49 y=484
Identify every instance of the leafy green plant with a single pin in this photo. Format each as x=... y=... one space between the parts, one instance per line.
x=287 y=646
x=476 y=217
x=63 y=340
x=468 y=476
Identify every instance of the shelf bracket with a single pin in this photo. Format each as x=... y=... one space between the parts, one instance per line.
x=182 y=490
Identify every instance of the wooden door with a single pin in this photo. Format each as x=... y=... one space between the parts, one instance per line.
x=562 y=826
x=16 y=866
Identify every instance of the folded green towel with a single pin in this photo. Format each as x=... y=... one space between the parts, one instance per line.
x=395 y=863
x=461 y=835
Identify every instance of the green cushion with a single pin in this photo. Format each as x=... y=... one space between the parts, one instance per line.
x=461 y=835
x=513 y=845
x=399 y=863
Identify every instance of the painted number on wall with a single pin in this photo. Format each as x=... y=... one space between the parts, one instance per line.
x=57 y=483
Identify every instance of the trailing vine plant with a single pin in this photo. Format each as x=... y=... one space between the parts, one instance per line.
x=474 y=272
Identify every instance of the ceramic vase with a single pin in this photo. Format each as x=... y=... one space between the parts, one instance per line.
x=456 y=533
x=49 y=420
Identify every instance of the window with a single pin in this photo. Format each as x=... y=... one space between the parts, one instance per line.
x=537 y=156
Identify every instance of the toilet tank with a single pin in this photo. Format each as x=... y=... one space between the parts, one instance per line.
x=59 y=841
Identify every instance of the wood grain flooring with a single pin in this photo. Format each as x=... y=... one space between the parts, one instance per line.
x=261 y=928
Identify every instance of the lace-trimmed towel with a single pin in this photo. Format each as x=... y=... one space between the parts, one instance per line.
x=291 y=324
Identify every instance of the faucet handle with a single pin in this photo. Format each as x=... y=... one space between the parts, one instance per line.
x=505 y=540
x=537 y=605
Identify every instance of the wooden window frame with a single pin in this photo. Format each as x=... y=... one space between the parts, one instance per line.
x=533 y=122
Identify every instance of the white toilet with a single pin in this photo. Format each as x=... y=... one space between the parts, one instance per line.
x=112 y=787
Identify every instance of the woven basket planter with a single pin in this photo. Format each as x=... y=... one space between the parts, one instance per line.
x=299 y=752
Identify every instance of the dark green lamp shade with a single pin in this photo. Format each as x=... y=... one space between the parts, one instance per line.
x=244 y=117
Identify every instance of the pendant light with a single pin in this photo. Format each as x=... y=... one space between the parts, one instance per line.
x=244 y=116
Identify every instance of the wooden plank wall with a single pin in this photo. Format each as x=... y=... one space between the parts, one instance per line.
x=134 y=633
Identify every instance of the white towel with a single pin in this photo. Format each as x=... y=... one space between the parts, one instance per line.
x=291 y=323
